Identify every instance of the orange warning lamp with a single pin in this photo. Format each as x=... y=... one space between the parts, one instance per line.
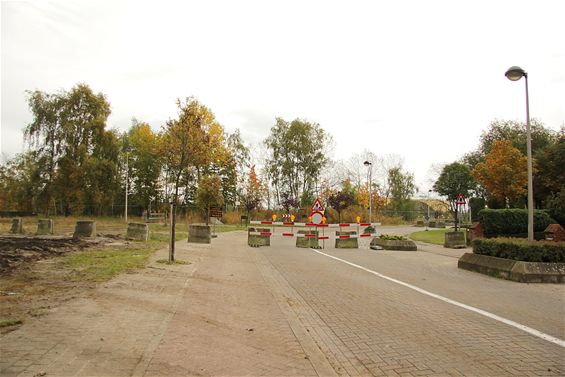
x=323 y=219
x=292 y=218
x=274 y=217
x=309 y=219
x=358 y=218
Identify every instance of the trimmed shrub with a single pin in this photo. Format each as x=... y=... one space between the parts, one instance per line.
x=389 y=237
x=512 y=222
x=521 y=250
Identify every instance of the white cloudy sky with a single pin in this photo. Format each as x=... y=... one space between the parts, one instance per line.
x=421 y=79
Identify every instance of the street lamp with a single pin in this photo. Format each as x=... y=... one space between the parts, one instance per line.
x=515 y=73
x=370 y=166
x=127 y=177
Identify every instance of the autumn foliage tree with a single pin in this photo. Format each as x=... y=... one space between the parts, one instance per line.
x=254 y=191
x=503 y=174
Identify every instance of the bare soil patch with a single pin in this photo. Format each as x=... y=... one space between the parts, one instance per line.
x=33 y=278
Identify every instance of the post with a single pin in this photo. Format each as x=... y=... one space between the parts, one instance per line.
x=371 y=193
x=172 y=234
x=370 y=166
x=530 y=185
x=127 y=172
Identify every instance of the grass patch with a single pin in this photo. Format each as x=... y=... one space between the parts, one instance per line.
x=436 y=236
x=176 y=261
x=222 y=228
x=104 y=264
x=10 y=322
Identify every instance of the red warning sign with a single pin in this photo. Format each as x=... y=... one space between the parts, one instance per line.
x=317 y=206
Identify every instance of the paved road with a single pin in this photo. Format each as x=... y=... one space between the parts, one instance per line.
x=283 y=311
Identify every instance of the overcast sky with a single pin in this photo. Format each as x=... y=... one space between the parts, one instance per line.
x=421 y=79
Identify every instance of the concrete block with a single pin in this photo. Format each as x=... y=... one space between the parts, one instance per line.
x=538 y=272
x=519 y=271
x=346 y=243
x=17 y=226
x=455 y=240
x=199 y=233
x=44 y=226
x=402 y=245
x=258 y=240
x=308 y=242
x=85 y=228
x=137 y=232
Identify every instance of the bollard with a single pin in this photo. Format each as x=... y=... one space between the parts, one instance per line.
x=137 y=232
x=85 y=228
x=44 y=226
x=199 y=233
x=17 y=226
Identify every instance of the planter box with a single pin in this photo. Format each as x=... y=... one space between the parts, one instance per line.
x=402 y=245
x=455 y=240
x=522 y=272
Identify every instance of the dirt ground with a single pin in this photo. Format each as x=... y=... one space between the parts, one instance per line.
x=32 y=277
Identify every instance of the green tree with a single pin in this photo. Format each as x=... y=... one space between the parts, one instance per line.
x=401 y=187
x=455 y=179
x=19 y=183
x=556 y=206
x=184 y=143
x=550 y=175
x=68 y=136
x=296 y=157
x=241 y=158
x=515 y=133
x=144 y=162
x=209 y=194
x=342 y=199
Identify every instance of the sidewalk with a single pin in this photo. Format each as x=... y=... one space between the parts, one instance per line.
x=214 y=316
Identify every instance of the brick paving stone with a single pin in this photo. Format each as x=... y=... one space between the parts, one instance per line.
x=282 y=311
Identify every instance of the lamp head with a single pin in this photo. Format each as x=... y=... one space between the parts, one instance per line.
x=367 y=163
x=515 y=73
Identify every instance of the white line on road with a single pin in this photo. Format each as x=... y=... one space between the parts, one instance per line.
x=517 y=325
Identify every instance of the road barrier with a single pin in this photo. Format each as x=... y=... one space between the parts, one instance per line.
x=309 y=237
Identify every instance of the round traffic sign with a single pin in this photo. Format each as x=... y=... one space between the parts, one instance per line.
x=317 y=217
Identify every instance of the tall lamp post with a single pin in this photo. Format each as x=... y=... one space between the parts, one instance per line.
x=127 y=177
x=370 y=166
x=515 y=73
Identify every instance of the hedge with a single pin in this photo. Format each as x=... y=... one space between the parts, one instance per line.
x=516 y=249
x=512 y=222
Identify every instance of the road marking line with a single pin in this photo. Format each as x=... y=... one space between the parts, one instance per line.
x=517 y=325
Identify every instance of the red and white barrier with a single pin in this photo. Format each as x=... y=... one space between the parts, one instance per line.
x=312 y=235
x=285 y=223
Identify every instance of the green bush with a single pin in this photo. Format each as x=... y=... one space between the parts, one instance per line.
x=512 y=222
x=518 y=249
x=389 y=237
